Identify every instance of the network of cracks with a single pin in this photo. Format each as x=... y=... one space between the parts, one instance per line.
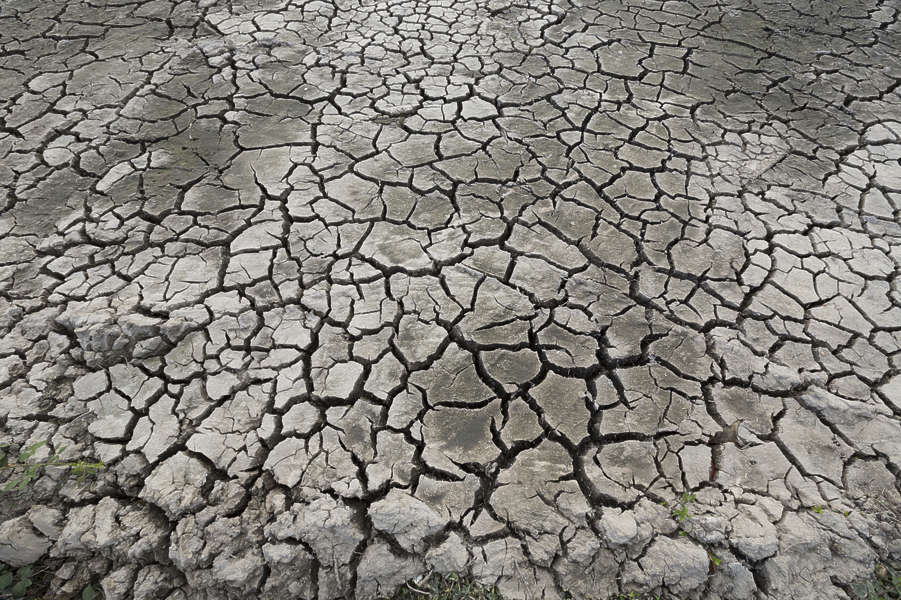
x=576 y=297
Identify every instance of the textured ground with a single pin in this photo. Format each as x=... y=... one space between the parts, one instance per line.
x=347 y=291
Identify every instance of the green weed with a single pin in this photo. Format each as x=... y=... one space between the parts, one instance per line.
x=446 y=587
x=885 y=584
x=21 y=583
x=22 y=470
x=680 y=512
x=15 y=583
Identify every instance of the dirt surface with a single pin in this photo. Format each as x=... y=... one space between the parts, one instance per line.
x=572 y=297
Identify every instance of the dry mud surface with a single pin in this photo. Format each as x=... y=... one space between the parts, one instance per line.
x=346 y=292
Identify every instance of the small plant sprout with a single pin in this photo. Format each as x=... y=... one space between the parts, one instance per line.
x=680 y=512
x=88 y=593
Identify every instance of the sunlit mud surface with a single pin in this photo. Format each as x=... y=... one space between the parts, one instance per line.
x=346 y=292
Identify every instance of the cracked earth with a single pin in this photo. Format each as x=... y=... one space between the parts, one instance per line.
x=345 y=292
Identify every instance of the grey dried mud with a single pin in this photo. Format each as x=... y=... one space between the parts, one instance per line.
x=344 y=292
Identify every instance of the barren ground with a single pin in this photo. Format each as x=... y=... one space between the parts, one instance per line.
x=343 y=292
